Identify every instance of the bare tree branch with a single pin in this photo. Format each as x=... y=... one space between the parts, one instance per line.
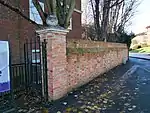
x=53 y=7
x=69 y=14
x=112 y=17
x=18 y=11
x=40 y=11
x=116 y=3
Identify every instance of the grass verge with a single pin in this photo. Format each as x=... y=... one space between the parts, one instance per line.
x=141 y=50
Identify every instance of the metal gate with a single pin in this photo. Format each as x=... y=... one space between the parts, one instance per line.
x=28 y=79
x=36 y=68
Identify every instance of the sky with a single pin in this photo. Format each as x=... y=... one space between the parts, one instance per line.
x=141 y=19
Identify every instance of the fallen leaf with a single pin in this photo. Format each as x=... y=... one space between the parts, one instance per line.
x=65 y=103
x=130 y=109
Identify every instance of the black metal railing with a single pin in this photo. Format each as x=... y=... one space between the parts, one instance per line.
x=28 y=76
x=18 y=77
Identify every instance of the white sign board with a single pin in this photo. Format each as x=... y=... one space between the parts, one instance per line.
x=4 y=66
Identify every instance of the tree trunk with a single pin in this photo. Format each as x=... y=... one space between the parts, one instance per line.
x=69 y=13
x=97 y=19
x=105 y=20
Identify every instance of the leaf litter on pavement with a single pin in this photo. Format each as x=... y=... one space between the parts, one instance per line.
x=95 y=100
x=105 y=94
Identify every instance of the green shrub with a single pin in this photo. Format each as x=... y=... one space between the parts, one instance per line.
x=126 y=38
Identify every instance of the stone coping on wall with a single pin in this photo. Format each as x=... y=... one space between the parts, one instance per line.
x=91 y=50
x=87 y=46
x=73 y=43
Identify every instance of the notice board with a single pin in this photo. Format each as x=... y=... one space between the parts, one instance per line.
x=4 y=67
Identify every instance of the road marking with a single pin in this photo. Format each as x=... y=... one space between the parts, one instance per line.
x=117 y=85
x=145 y=69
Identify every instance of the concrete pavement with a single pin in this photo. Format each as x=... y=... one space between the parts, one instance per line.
x=145 y=56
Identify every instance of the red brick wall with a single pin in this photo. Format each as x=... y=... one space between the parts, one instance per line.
x=76 y=26
x=15 y=29
x=56 y=62
x=78 y=4
x=73 y=63
x=84 y=66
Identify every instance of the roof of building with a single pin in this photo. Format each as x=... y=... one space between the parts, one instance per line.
x=148 y=27
x=140 y=34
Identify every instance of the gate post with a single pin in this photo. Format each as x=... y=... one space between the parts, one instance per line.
x=56 y=61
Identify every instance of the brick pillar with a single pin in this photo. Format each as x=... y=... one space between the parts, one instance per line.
x=56 y=61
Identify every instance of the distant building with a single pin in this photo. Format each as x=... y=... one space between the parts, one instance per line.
x=148 y=30
x=141 y=39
